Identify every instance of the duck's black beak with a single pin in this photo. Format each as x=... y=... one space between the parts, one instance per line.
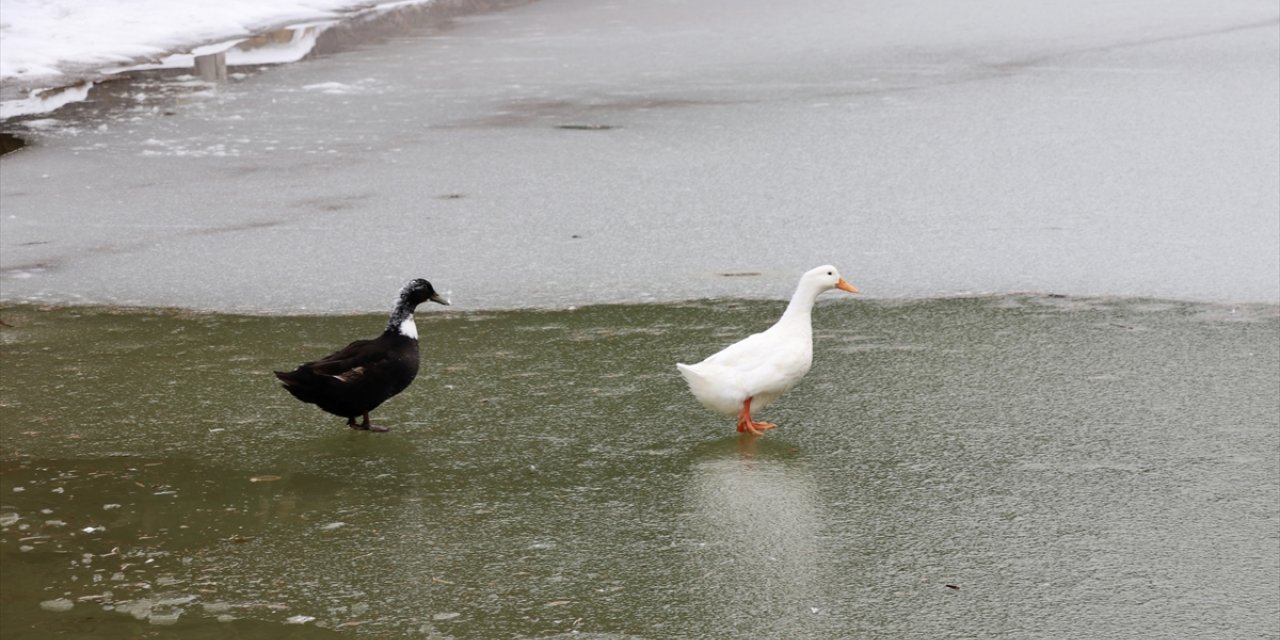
x=436 y=297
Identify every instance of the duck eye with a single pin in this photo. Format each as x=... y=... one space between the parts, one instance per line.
x=830 y=274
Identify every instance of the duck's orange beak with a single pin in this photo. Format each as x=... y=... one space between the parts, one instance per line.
x=844 y=285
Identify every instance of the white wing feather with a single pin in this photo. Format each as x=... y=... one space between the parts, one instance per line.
x=761 y=366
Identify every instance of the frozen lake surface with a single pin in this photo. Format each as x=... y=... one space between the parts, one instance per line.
x=1092 y=460
x=566 y=152
x=1011 y=467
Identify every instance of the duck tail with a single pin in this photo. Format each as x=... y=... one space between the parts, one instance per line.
x=691 y=377
x=297 y=385
x=707 y=391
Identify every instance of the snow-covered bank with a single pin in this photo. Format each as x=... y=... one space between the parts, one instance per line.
x=55 y=43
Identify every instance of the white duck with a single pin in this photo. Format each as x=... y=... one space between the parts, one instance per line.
x=763 y=366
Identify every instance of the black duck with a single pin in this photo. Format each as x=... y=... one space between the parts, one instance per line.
x=364 y=374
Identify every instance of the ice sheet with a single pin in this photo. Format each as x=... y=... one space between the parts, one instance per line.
x=566 y=153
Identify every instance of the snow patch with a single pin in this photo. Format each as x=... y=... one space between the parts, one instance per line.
x=332 y=88
x=44 y=100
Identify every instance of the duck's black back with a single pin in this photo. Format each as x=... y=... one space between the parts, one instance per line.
x=358 y=378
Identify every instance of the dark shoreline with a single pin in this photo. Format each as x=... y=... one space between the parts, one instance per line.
x=1246 y=310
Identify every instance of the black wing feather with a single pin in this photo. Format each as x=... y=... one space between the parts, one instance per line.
x=357 y=378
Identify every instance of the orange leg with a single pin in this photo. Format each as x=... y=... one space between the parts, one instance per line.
x=747 y=425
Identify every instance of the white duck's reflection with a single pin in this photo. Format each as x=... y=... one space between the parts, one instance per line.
x=756 y=521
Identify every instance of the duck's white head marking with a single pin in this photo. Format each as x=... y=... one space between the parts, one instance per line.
x=408 y=329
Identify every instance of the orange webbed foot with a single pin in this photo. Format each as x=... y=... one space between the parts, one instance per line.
x=755 y=428
x=747 y=425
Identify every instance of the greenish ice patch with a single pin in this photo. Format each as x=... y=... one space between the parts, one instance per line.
x=1017 y=467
